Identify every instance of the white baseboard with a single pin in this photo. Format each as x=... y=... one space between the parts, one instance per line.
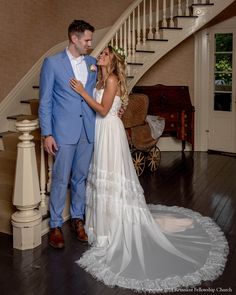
x=171 y=144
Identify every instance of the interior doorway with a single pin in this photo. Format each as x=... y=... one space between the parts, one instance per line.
x=215 y=88
x=222 y=101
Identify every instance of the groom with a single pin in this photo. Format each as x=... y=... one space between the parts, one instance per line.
x=67 y=127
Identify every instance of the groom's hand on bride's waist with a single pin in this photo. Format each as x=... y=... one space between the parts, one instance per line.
x=50 y=145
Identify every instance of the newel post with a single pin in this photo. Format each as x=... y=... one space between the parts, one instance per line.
x=26 y=220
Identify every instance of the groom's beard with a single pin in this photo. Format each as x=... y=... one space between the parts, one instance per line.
x=82 y=51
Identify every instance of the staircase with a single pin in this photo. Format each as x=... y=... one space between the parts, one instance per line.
x=147 y=30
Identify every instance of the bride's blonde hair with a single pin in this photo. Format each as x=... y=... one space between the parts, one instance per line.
x=118 y=68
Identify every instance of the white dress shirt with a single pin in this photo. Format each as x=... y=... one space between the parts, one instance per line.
x=79 y=67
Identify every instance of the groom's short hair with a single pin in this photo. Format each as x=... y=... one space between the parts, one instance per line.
x=79 y=26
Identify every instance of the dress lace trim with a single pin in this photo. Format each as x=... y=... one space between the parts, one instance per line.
x=212 y=268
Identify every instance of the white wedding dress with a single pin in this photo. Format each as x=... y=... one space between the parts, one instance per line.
x=145 y=248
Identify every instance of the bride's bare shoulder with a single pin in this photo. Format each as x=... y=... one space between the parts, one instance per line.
x=112 y=79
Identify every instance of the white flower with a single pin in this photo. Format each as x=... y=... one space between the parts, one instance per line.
x=119 y=51
x=93 y=68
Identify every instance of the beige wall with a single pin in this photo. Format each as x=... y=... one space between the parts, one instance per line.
x=28 y=28
x=175 y=68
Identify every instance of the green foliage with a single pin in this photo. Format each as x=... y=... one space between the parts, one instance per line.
x=225 y=68
x=224 y=42
x=223 y=63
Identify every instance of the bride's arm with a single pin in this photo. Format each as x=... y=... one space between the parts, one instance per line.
x=107 y=98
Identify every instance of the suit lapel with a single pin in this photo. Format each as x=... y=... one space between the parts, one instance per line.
x=88 y=68
x=67 y=64
x=69 y=70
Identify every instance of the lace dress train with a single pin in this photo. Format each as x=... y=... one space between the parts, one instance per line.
x=145 y=248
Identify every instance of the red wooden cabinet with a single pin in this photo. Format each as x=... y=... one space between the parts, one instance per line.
x=172 y=103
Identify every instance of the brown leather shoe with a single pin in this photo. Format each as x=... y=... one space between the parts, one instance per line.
x=77 y=225
x=56 y=239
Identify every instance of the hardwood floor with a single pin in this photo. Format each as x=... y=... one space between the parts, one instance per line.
x=204 y=182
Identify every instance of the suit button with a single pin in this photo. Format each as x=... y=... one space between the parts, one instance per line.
x=82 y=100
x=81 y=116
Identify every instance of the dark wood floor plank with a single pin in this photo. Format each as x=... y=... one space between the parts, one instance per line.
x=199 y=181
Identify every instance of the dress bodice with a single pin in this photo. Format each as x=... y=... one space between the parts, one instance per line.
x=116 y=103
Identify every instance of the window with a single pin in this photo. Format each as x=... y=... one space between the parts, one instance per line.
x=223 y=72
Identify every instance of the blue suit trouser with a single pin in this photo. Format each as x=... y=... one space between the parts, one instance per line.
x=71 y=165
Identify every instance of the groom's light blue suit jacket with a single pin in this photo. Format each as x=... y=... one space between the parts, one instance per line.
x=62 y=111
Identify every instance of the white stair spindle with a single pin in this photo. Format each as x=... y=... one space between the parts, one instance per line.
x=133 y=35
x=180 y=12
x=129 y=38
x=50 y=165
x=144 y=22
x=117 y=39
x=125 y=38
x=150 y=32
x=138 y=27
x=121 y=37
x=43 y=204
x=157 y=35
x=187 y=8
x=164 y=22
x=171 y=14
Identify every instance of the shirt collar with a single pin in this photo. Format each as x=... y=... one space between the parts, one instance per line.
x=71 y=57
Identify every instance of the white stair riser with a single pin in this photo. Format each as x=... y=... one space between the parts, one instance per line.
x=186 y=22
x=24 y=108
x=11 y=125
x=153 y=45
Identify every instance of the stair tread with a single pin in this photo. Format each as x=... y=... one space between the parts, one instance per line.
x=135 y=63
x=145 y=51
x=161 y=40
x=20 y=117
x=203 y=4
x=11 y=140
x=11 y=135
x=32 y=100
x=6 y=133
x=170 y=28
x=36 y=133
x=186 y=16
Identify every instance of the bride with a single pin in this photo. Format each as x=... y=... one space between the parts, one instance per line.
x=145 y=248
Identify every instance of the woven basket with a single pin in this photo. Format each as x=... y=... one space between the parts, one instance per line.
x=136 y=111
